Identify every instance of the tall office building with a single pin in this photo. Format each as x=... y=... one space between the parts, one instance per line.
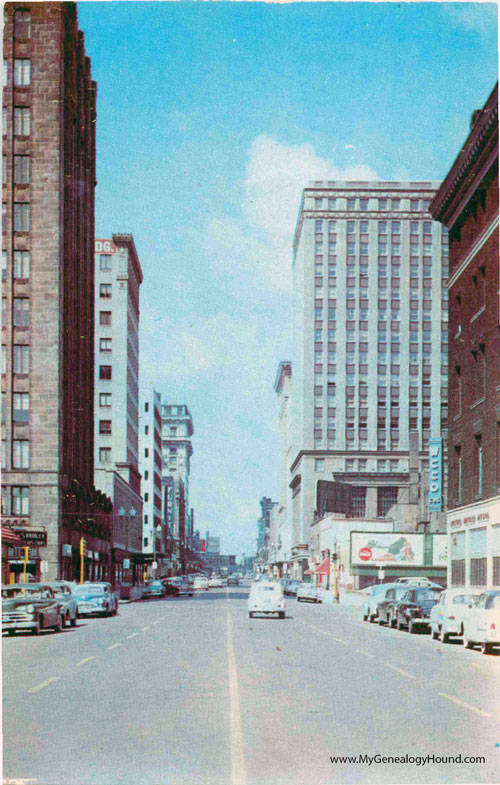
x=177 y=429
x=153 y=534
x=118 y=277
x=49 y=121
x=467 y=204
x=369 y=384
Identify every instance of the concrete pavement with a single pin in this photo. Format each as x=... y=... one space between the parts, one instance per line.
x=191 y=691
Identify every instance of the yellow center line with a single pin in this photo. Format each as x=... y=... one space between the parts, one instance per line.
x=114 y=646
x=83 y=662
x=398 y=670
x=464 y=705
x=43 y=685
x=366 y=653
x=339 y=640
x=238 y=766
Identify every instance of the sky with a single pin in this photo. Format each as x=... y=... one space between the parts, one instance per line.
x=211 y=119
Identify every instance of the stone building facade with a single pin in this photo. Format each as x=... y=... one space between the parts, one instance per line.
x=177 y=430
x=467 y=204
x=49 y=121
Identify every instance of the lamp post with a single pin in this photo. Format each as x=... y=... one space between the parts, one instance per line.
x=157 y=531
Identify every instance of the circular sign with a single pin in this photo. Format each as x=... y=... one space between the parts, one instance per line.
x=365 y=554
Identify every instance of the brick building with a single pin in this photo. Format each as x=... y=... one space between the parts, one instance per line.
x=467 y=203
x=49 y=113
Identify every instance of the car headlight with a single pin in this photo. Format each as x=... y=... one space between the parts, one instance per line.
x=29 y=608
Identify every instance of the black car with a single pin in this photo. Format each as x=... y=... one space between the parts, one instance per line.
x=413 y=610
x=386 y=609
x=233 y=580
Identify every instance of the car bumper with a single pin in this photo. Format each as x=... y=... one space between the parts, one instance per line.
x=86 y=610
x=18 y=625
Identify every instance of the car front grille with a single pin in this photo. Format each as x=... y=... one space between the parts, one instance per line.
x=15 y=616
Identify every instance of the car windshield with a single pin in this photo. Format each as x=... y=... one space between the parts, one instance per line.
x=25 y=591
x=427 y=594
x=88 y=590
x=493 y=601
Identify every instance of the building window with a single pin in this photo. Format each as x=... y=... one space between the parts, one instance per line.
x=458 y=572
x=104 y=426
x=4 y=170
x=21 y=169
x=21 y=121
x=173 y=431
x=105 y=318
x=21 y=217
x=458 y=473
x=22 y=265
x=104 y=344
x=104 y=400
x=5 y=120
x=21 y=312
x=4 y=359
x=358 y=508
x=478 y=572
x=105 y=454
x=4 y=454
x=22 y=73
x=105 y=262
x=105 y=290
x=319 y=465
x=414 y=205
x=21 y=359
x=105 y=372
x=386 y=498
x=22 y=24
x=4 y=265
x=351 y=204
x=318 y=203
x=21 y=407
x=4 y=217
x=20 y=500
x=478 y=466
x=20 y=454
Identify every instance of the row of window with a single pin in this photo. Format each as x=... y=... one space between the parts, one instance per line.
x=21 y=312
x=22 y=121
x=21 y=359
x=22 y=217
x=22 y=72
x=21 y=260
x=21 y=174
x=364 y=203
x=20 y=407
x=20 y=454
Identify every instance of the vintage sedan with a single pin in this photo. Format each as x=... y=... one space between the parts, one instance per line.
x=200 y=583
x=30 y=606
x=308 y=592
x=95 y=598
x=388 y=600
x=414 y=608
x=448 y=615
x=153 y=589
x=63 y=592
x=482 y=625
x=266 y=597
x=292 y=587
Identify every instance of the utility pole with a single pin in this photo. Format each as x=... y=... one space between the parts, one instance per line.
x=83 y=544
x=333 y=565
x=25 y=561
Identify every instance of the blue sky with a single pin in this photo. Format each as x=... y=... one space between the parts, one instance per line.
x=211 y=119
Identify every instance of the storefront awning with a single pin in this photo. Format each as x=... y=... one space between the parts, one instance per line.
x=9 y=537
x=323 y=568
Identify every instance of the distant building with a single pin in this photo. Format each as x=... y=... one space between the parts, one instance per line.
x=49 y=122
x=150 y=468
x=177 y=429
x=263 y=529
x=467 y=204
x=370 y=349
x=286 y=535
x=118 y=277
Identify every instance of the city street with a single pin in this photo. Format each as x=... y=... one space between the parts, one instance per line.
x=191 y=691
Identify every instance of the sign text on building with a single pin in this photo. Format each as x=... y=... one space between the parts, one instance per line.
x=435 y=474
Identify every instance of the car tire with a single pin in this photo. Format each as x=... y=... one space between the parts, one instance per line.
x=281 y=615
x=467 y=644
x=380 y=621
x=11 y=632
x=250 y=615
x=365 y=617
x=443 y=636
x=371 y=618
x=73 y=622
x=399 y=624
x=486 y=648
x=434 y=634
x=58 y=626
x=36 y=629
x=411 y=628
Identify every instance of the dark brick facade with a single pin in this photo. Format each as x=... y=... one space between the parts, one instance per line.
x=467 y=203
x=44 y=49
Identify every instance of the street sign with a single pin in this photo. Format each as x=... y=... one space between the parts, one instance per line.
x=381 y=574
x=32 y=536
x=44 y=566
x=154 y=565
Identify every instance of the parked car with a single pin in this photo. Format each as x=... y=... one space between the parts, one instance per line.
x=63 y=593
x=153 y=589
x=171 y=586
x=482 y=624
x=414 y=607
x=374 y=596
x=30 y=606
x=233 y=580
x=95 y=597
x=308 y=592
x=386 y=607
x=448 y=615
x=200 y=583
x=266 y=597
x=291 y=588
x=178 y=586
x=215 y=583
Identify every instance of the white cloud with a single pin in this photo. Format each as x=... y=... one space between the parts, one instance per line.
x=479 y=17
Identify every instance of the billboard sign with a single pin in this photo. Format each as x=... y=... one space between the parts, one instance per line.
x=435 y=474
x=105 y=246
x=376 y=549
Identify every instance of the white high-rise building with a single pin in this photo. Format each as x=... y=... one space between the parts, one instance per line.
x=153 y=535
x=370 y=346
x=177 y=429
x=118 y=276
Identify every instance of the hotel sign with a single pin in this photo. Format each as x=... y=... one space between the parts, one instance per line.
x=105 y=246
x=435 y=474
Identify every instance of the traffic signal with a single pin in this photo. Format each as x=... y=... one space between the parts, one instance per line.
x=334 y=558
x=83 y=546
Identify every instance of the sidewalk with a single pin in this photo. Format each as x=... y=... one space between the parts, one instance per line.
x=347 y=599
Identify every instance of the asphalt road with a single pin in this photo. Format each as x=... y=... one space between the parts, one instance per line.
x=192 y=692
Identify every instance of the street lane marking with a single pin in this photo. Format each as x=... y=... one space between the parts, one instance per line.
x=43 y=685
x=144 y=629
x=402 y=672
x=114 y=646
x=339 y=640
x=366 y=653
x=464 y=705
x=83 y=662
x=134 y=635
x=238 y=767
